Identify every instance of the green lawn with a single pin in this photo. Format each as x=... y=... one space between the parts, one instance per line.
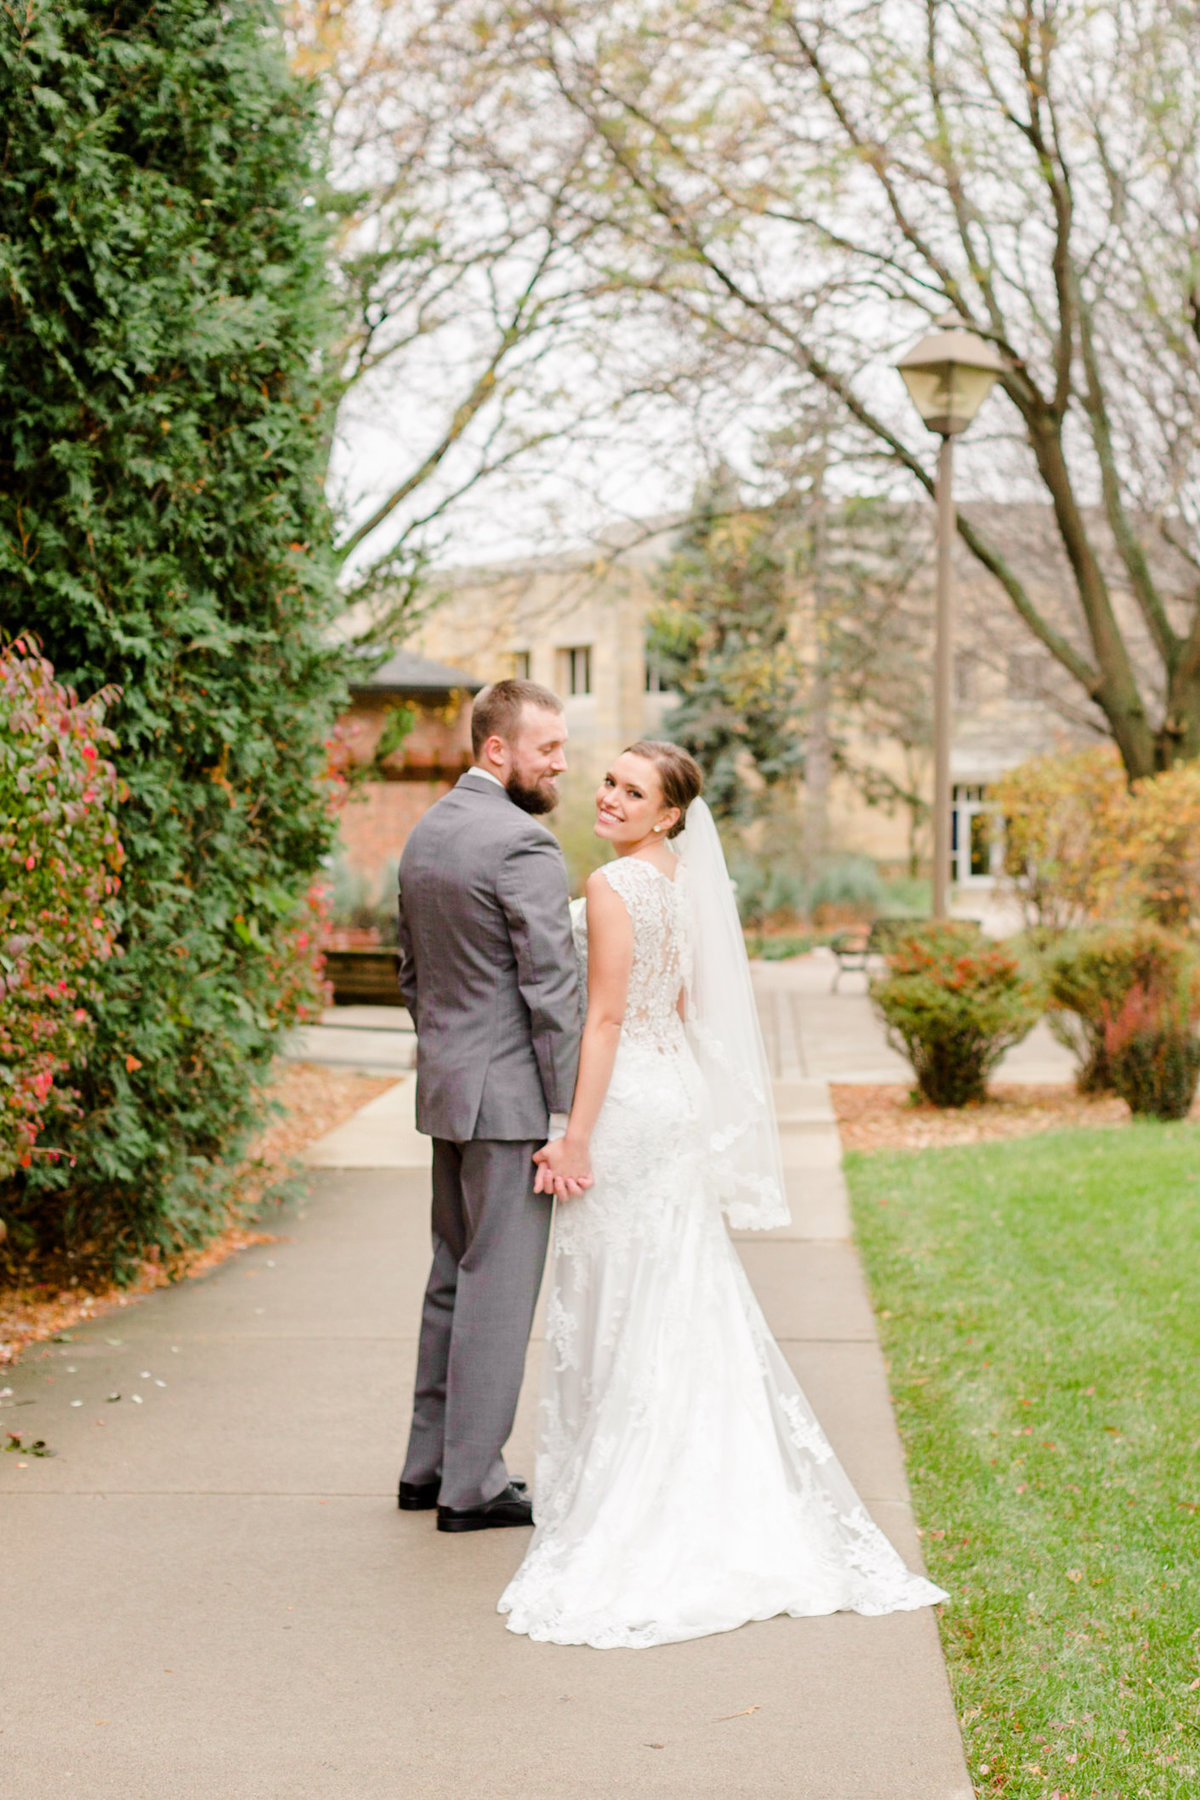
x=1039 y=1303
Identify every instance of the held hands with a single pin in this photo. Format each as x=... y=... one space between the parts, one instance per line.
x=563 y=1169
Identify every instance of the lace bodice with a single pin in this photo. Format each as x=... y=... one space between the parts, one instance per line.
x=661 y=968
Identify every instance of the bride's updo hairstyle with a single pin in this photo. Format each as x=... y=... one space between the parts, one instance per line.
x=678 y=772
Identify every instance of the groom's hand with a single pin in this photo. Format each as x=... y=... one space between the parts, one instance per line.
x=563 y=1169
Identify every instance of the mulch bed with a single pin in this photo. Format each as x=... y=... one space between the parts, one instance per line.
x=37 y=1303
x=883 y=1117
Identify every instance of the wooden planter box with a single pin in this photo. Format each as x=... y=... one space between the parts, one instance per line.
x=363 y=977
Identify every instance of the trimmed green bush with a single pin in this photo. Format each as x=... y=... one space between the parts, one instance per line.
x=953 y=1004
x=1089 y=977
x=778 y=948
x=163 y=316
x=765 y=886
x=848 y=881
x=357 y=903
x=59 y=862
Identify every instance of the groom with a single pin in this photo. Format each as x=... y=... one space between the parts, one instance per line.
x=488 y=972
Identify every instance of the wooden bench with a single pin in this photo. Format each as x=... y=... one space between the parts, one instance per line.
x=855 y=947
x=363 y=977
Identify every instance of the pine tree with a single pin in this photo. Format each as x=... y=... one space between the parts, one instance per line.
x=163 y=311
x=721 y=635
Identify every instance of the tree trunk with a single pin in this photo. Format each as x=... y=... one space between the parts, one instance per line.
x=1178 y=737
x=818 y=772
x=1116 y=691
x=818 y=749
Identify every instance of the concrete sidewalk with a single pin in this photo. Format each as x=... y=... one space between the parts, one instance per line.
x=210 y=1593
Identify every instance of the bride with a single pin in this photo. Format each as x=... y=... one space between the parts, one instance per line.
x=683 y=1485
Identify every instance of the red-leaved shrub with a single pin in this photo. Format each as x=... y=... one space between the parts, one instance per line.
x=953 y=1004
x=60 y=858
x=1153 y=1049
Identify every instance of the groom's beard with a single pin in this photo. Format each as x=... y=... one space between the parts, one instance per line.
x=541 y=798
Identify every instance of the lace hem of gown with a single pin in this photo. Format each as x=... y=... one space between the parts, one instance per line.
x=684 y=1485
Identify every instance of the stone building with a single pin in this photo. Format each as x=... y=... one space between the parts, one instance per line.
x=576 y=621
x=577 y=624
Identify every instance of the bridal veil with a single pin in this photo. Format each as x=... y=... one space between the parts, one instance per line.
x=722 y=1025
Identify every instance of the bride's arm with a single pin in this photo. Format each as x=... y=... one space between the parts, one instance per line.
x=610 y=956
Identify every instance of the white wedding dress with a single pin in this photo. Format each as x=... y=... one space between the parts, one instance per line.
x=683 y=1485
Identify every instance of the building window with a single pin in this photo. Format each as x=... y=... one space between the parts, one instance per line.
x=656 y=681
x=522 y=662
x=576 y=664
x=964 y=677
x=976 y=838
x=1024 y=675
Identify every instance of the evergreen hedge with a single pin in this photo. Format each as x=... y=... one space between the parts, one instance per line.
x=163 y=436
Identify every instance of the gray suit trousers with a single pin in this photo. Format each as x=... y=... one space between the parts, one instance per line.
x=490 y=1232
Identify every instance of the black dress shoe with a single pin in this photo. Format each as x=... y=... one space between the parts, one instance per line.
x=512 y=1506
x=418 y=1496
x=422 y=1496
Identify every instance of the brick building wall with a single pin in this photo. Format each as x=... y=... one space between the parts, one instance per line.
x=377 y=819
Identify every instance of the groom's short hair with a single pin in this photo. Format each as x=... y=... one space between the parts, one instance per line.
x=497 y=710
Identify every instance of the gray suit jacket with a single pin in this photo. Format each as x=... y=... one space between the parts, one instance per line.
x=487 y=967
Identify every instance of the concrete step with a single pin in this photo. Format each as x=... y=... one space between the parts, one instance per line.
x=337 y=1046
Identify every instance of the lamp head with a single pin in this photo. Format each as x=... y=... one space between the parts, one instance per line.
x=949 y=375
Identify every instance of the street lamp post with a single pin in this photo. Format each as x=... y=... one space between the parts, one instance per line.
x=949 y=375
